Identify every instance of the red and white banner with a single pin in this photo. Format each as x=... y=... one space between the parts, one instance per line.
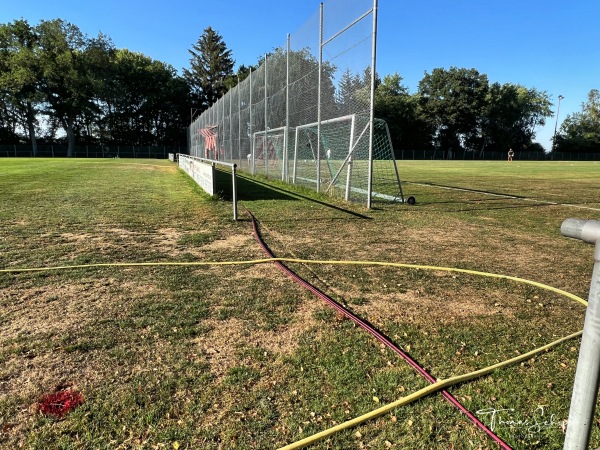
x=210 y=136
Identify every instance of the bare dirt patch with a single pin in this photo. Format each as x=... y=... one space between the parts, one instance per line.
x=168 y=241
x=221 y=344
x=236 y=241
x=418 y=307
x=56 y=309
x=266 y=270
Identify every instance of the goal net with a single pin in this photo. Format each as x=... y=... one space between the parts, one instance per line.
x=335 y=155
x=305 y=115
x=268 y=151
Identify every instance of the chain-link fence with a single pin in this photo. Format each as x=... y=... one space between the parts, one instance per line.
x=305 y=115
x=88 y=151
x=523 y=155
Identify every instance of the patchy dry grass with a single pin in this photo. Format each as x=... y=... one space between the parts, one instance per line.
x=239 y=356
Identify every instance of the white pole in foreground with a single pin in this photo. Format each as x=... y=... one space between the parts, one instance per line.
x=234 y=189
x=585 y=387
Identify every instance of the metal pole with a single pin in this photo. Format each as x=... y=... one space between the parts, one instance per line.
x=222 y=127
x=234 y=188
x=251 y=130
x=295 y=157
x=265 y=143
x=319 y=99
x=585 y=387
x=239 y=122
x=371 y=112
x=230 y=124
x=286 y=138
x=560 y=97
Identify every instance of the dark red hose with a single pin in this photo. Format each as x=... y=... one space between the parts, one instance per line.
x=380 y=337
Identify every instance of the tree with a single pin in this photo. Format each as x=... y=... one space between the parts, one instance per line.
x=146 y=103
x=580 y=132
x=68 y=81
x=399 y=109
x=86 y=87
x=242 y=73
x=8 y=125
x=211 y=65
x=99 y=56
x=19 y=75
x=345 y=95
x=452 y=102
x=511 y=115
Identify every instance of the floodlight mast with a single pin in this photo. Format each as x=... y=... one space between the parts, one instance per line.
x=587 y=376
x=560 y=97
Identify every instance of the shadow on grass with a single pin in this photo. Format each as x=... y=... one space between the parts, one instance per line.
x=251 y=190
x=500 y=197
x=489 y=206
x=465 y=189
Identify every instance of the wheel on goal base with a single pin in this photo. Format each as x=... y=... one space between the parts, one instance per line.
x=411 y=200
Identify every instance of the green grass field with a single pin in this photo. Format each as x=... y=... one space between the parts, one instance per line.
x=219 y=357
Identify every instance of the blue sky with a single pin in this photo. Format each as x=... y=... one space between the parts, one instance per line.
x=552 y=45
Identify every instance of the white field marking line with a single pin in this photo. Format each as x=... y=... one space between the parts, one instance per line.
x=546 y=202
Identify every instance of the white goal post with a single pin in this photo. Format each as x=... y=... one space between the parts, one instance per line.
x=269 y=151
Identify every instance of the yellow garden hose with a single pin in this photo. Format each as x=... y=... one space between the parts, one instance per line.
x=434 y=387
x=304 y=261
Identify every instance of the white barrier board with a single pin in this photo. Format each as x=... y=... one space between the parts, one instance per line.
x=202 y=173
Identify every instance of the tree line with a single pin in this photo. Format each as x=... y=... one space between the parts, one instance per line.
x=580 y=132
x=54 y=77
x=58 y=83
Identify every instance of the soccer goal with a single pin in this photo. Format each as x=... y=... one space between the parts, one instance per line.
x=269 y=151
x=333 y=156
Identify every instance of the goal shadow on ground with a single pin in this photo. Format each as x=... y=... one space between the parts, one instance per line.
x=249 y=190
x=252 y=190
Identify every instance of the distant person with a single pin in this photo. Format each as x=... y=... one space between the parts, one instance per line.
x=510 y=154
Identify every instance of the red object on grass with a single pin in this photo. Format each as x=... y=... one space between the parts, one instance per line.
x=60 y=403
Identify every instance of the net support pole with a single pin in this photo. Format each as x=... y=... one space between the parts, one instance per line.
x=294 y=168
x=230 y=125
x=234 y=189
x=222 y=146
x=319 y=98
x=239 y=122
x=286 y=136
x=265 y=142
x=251 y=130
x=587 y=375
x=371 y=112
